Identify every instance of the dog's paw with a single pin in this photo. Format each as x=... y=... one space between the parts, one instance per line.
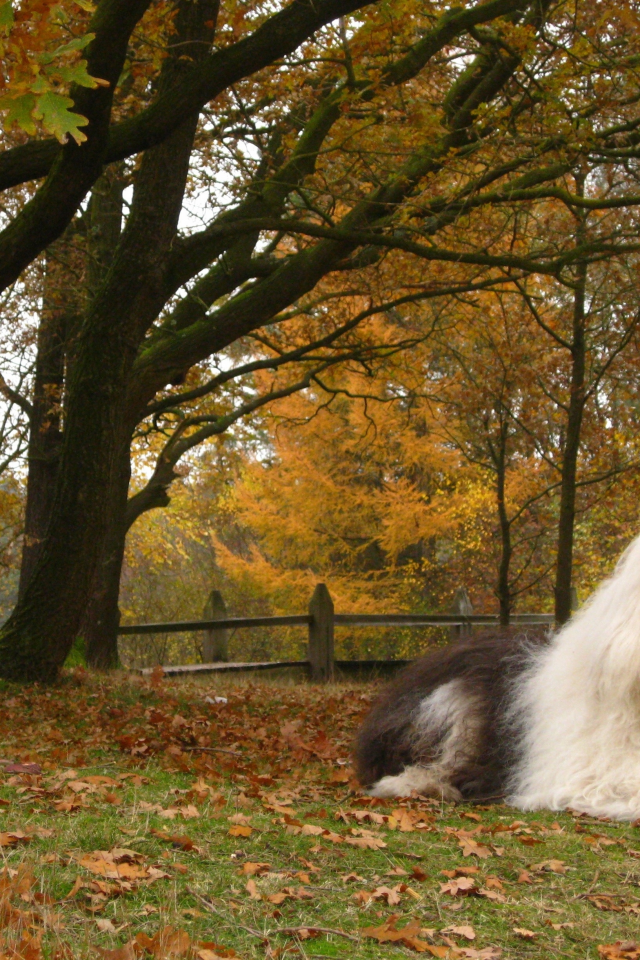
x=416 y=779
x=390 y=787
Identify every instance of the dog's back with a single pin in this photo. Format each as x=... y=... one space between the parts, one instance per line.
x=460 y=691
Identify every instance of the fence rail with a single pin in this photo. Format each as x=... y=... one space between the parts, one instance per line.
x=320 y=622
x=230 y=623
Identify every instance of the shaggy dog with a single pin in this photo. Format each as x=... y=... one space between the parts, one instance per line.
x=546 y=723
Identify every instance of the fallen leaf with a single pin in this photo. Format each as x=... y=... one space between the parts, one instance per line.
x=250 y=869
x=620 y=950
x=549 y=866
x=461 y=887
x=490 y=894
x=252 y=890
x=12 y=838
x=603 y=902
x=180 y=841
x=464 y=931
x=389 y=933
x=240 y=830
x=33 y=768
x=78 y=884
x=471 y=847
x=167 y=943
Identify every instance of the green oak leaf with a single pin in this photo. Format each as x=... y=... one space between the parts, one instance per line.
x=19 y=111
x=53 y=110
x=79 y=43
x=77 y=73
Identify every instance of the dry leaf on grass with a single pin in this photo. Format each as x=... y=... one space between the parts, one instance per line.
x=252 y=890
x=407 y=935
x=14 y=837
x=471 y=847
x=460 y=887
x=240 y=830
x=366 y=842
x=179 y=841
x=621 y=950
x=32 y=768
x=126 y=867
x=117 y=864
x=168 y=944
x=390 y=894
x=524 y=934
x=463 y=931
x=467 y=887
x=549 y=866
x=251 y=869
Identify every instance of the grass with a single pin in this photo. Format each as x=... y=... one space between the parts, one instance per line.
x=275 y=791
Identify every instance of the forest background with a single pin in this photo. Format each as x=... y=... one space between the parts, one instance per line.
x=394 y=343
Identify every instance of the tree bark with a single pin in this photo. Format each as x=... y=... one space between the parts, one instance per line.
x=101 y=620
x=504 y=568
x=45 y=436
x=566 y=519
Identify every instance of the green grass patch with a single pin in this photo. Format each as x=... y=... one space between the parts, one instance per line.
x=239 y=824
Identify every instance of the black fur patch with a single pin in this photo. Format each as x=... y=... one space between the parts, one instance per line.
x=487 y=665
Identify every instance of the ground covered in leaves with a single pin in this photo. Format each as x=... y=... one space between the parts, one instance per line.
x=205 y=819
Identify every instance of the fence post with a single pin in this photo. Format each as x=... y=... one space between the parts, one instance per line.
x=320 y=650
x=215 y=643
x=463 y=607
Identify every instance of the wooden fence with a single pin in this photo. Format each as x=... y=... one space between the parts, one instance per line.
x=320 y=621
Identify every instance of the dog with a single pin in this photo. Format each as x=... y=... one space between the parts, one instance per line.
x=543 y=722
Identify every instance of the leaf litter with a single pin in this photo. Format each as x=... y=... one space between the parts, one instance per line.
x=161 y=819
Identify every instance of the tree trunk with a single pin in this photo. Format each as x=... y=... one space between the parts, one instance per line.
x=38 y=636
x=101 y=620
x=504 y=586
x=566 y=520
x=99 y=414
x=45 y=437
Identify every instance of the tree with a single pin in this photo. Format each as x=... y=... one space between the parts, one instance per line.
x=182 y=421
x=592 y=321
x=488 y=392
x=317 y=166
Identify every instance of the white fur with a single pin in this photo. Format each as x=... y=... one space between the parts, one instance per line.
x=450 y=713
x=578 y=706
x=573 y=716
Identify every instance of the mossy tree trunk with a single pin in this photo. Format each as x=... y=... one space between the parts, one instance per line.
x=45 y=436
x=99 y=415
